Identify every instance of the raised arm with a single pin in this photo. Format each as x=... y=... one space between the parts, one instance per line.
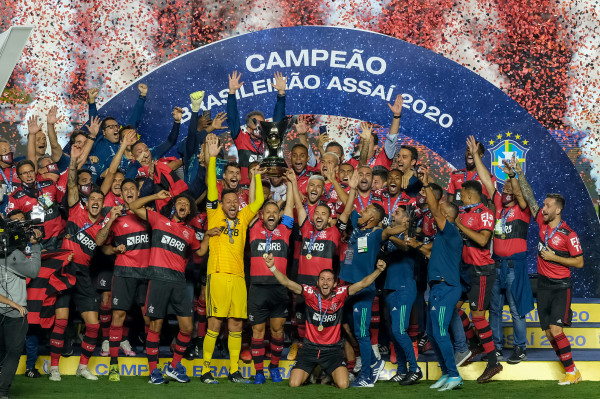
x=93 y=130
x=34 y=129
x=102 y=235
x=365 y=135
x=138 y=109
x=295 y=196
x=289 y=200
x=484 y=174
x=279 y=85
x=390 y=141
x=367 y=281
x=349 y=205
x=341 y=193
x=160 y=150
x=138 y=206
x=72 y=189
x=128 y=140
x=525 y=188
x=282 y=278
x=233 y=115
x=212 y=143
x=259 y=197
x=55 y=148
x=432 y=203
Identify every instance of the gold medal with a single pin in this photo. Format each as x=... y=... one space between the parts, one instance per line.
x=503 y=236
x=320 y=328
x=308 y=256
x=265 y=255
x=231 y=240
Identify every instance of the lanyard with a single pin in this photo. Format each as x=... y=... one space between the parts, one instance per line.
x=392 y=208
x=256 y=151
x=230 y=230
x=321 y=313
x=313 y=238
x=8 y=182
x=504 y=219
x=40 y=195
x=546 y=238
x=302 y=173
x=308 y=214
x=86 y=226
x=328 y=192
x=467 y=207
x=362 y=206
x=268 y=240
x=474 y=176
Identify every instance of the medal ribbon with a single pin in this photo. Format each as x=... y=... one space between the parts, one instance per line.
x=229 y=229
x=474 y=176
x=313 y=238
x=268 y=240
x=546 y=238
x=8 y=182
x=320 y=313
x=360 y=201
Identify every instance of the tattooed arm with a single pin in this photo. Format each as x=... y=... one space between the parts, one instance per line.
x=526 y=190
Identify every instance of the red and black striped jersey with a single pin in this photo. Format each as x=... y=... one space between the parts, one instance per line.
x=329 y=314
x=458 y=177
x=510 y=236
x=478 y=218
x=564 y=242
x=81 y=233
x=322 y=251
x=111 y=200
x=172 y=244
x=361 y=202
x=279 y=245
x=134 y=233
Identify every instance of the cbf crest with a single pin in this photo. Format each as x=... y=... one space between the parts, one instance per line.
x=505 y=147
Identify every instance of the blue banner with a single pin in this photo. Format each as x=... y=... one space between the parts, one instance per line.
x=354 y=73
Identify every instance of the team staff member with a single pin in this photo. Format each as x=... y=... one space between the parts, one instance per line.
x=172 y=243
x=444 y=281
x=559 y=250
x=129 y=237
x=510 y=254
x=476 y=222
x=85 y=221
x=324 y=304
x=226 y=287
x=266 y=300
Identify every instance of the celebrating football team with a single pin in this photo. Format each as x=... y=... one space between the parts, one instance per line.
x=317 y=262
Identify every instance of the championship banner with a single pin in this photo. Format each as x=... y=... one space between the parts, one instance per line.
x=355 y=73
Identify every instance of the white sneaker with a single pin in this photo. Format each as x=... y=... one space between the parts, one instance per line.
x=126 y=348
x=376 y=350
x=54 y=374
x=105 y=351
x=86 y=373
x=357 y=366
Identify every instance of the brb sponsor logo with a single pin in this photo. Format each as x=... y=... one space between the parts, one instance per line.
x=275 y=246
x=135 y=240
x=85 y=241
x=173 y=242
x=327 y=318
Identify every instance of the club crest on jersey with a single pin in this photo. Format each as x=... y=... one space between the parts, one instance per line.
x=505 y=149
x=186 y=234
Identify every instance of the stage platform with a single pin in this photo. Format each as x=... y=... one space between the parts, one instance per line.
x=542 y=363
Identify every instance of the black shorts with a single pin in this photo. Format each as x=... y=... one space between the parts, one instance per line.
x=128 y=290
x=266 y=302
x=480 y=293
x=84 y=295
x=103 y=280
x=162 y=294
x=329 y=357
x=554 y=307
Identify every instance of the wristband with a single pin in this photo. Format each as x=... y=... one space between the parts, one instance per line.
x=396 y=116
x=272 y=269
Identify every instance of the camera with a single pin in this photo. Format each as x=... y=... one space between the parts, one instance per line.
x=16 y=234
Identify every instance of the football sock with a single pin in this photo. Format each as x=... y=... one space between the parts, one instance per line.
x=181 y=344
x=565 y=355
x=116 y=335
x=89 y=343
x=375 y=320
x=208 y=347
x=485 y=336
x=469 y=333
x=235 y=347
x=276 y=349
x=258 y=354
x=57 y=340
x=152 y=340
x=105 y=317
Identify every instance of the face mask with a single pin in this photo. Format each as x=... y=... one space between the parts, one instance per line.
x=506 y=198
x=7 y=158
x=52 y=168
x=421 y=199
x=85 y=189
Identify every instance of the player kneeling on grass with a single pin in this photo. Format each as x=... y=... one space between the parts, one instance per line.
x=323 y=346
